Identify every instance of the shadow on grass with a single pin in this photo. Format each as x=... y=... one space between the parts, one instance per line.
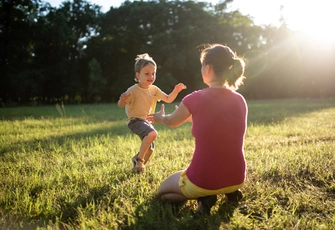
x=45 y=142
x=268 y=112
x=157 y=214
x=68 y=211
x=91 y=111
x=264 y=112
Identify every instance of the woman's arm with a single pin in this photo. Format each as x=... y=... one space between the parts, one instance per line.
x=175 y=119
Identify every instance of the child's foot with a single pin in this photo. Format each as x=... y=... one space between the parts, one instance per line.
x=139 y=165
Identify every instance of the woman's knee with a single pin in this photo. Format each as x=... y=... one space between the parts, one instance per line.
x=163 y=197
x=161 y=191
x=173 y=197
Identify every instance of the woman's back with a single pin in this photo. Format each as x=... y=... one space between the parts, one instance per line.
x=219 y=125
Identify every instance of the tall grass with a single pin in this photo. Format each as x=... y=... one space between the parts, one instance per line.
x=75 y=172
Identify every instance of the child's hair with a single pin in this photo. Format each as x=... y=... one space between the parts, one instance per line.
x=225 y=63
x=142 y=60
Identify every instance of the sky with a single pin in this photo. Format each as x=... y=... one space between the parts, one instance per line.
x=315 y=18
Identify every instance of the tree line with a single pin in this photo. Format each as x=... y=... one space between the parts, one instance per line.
x=77 y=54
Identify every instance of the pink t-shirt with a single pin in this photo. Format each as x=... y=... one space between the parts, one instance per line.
x=219 y=126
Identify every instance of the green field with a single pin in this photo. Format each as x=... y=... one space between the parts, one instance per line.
x=70 y=168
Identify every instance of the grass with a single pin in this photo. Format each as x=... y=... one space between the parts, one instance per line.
x=72 y=170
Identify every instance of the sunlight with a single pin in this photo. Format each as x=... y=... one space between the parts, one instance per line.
x=313 y=19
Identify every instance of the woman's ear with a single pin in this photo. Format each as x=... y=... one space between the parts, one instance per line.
x=208 y=68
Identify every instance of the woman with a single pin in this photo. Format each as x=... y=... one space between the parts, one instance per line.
x=219 y=117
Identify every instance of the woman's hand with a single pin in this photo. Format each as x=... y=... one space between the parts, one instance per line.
x=178 y=117
x=156 y=118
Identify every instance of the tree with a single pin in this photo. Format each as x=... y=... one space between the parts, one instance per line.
x=97 y=83
x=49 y=53
x=60 y=52
x=172 y=37
x=16 y=51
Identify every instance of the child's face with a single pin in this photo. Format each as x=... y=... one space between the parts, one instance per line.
x=146 y=76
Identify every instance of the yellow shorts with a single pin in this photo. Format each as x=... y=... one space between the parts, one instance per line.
x=192 y=191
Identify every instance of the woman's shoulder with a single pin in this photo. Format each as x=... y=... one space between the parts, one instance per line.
x=237 y=94
x=196 y=92
x=192 y=96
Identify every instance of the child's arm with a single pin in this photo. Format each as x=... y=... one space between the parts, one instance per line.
x=122 y=101
x=170 y=98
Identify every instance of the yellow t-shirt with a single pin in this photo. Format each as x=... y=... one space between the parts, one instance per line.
x=142 y=102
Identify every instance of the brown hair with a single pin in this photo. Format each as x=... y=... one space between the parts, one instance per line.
x=142 y=60
x=225 y=63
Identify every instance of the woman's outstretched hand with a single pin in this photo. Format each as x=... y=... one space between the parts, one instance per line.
x=156 y=118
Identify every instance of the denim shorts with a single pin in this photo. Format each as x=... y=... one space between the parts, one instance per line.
x=141 y=128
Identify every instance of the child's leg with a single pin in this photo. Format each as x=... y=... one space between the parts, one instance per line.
x=144 y=149
x=149 y=152
x=148 y=134
x=147 y=155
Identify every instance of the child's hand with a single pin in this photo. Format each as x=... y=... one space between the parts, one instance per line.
x=179 y=87
x=124 y=96
x=122 y=100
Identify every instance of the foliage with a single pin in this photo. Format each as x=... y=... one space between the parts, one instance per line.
x=96 y=83
x=74 y=171
x=45 y=51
